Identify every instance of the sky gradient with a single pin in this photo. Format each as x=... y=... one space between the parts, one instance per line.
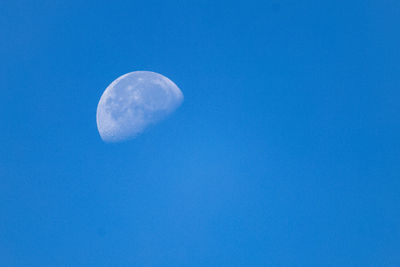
x=285 y=152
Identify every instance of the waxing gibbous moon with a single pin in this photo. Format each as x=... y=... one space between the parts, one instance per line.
x=133 y=102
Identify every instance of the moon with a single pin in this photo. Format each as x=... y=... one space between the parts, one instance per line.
x=133 y=102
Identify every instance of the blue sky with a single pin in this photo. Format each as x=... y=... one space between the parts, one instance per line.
x=285 y=151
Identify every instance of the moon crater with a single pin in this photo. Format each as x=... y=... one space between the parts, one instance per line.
x=133 y=102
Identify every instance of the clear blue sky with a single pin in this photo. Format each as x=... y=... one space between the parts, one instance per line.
x=285 y=152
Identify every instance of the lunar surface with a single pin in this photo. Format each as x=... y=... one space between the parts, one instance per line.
x=133 y=102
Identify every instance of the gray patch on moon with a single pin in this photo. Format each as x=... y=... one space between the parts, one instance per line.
x=134 y=101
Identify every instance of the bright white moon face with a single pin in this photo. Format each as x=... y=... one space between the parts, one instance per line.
x=134 y=101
